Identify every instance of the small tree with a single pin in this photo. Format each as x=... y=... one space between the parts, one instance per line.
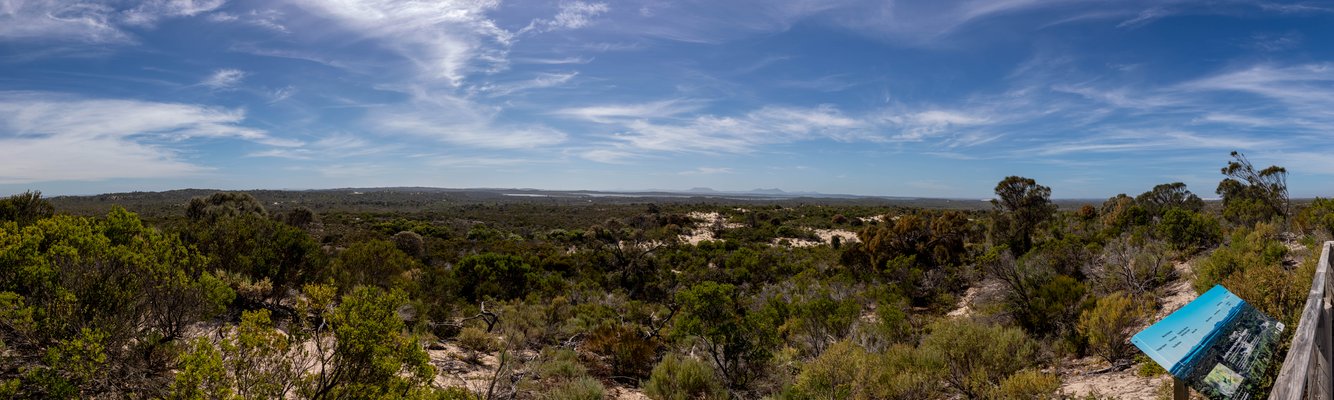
x=25 y=208
x=1023 y=206
x=1251 y=196
x=737 y=339
x=1169 y=196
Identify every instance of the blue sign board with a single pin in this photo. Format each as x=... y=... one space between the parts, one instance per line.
x=1218 y=344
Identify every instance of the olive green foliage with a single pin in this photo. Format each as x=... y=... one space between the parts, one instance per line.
x=1319 y=216
x=100 y=299
x=1120 y=213
x=223 y=205
x=847 y=371
x=202 y=374
x=814 y=316
x=477 y=340
x=976 y=357
x=625 y=348
x=1109 y=324
x=410 y=243
x=1251 y=196
x=683 y=378
x=1168 y=196
x=1189 y=230
x=1022 y=205
x=1246 y=249
x=914 y=252
x=373 y=262
x=493 y=275
x=302 y=218
x=25 y=208
x=371 y=356
x=560 y=375
x=738 y=340
x=257 y=247
x=1274 y=288
x=584 y=388
x=1027 y=384
x=1041 y=300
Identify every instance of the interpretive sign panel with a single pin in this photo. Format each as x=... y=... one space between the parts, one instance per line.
x=1218 y=344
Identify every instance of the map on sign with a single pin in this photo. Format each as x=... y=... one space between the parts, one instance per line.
x=1218 y=344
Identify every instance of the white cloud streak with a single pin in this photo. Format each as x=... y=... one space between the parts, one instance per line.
x=445 y=40
x=53 y=137
x=541 y=81
x=224 y=79
x=572 y=15
x=90 y=21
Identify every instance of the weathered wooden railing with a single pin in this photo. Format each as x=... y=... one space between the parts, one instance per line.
x=1307 y=372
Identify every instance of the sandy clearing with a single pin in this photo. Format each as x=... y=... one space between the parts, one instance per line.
x=984 y=292
x=1083 y=376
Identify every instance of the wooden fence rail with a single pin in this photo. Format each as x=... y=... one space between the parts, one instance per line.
x=1307 y=372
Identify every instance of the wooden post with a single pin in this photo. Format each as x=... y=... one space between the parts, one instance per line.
x=1179 y=390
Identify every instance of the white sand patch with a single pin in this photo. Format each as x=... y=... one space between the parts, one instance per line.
x=826 y=237
x=1090 y=375
x=453 y=368
x=984 y=292
x=704 y=230
x=1178 y=293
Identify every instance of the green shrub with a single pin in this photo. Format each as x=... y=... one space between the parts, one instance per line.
x=1318 y=217
x=625 y=348
x=1109 y=324
x=1146 y=367
x=561 y=364
x=977 y=357
x=834 y=374
x=579 y=389
x=477 y=340
x=738 y=339
x=682 y=378
x=1188 y=230
x=1246 y=249
x=902 y=372
x=1028 y=384
x=493 y=275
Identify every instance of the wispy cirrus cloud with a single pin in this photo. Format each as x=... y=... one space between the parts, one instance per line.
x=226 y=78
x=609 y=113
x=462 y=126
x=90 y=21
x=53 y=137
x=268 y=19
x=572 y=15
x=445 y=41
x=541 y=81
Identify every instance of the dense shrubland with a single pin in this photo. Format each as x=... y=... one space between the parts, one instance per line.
x=221 y=297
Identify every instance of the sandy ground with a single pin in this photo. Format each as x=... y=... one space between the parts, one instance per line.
x=1085 y=376
x=988 y=291
x=453 y=369
x=826 y=237
x=704 y=230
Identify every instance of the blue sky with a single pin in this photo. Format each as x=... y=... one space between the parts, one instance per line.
x=900 y=98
